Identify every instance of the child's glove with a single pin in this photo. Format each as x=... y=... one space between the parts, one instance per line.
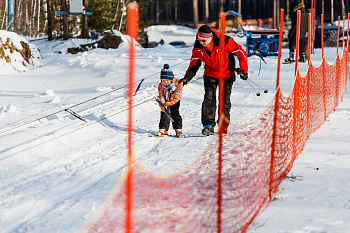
x=162 y=108
x=168 y=103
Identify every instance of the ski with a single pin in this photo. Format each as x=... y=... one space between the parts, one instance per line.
x=287 y=62
x=168 y=135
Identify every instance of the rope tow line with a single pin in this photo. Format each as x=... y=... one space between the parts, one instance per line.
x=72 y=131
x=70 y=111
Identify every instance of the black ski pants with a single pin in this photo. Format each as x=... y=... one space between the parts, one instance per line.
x=292 y=45
x=175 y=114
x=209 y=102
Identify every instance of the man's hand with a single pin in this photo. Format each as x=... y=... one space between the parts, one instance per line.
x=244 y=75
x=183 y=81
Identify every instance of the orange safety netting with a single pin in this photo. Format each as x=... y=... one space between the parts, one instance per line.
x=223 y=191
x=256 y=157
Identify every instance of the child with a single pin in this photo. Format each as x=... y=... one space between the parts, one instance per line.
x=170 y=91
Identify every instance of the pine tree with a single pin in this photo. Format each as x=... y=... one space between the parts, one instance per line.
x=111 y=14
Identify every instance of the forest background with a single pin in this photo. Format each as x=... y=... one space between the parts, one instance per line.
x=37 y=17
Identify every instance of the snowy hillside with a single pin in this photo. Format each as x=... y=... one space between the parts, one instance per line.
x=56 y=170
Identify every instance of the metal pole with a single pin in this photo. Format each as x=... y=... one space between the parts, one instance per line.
x=297 y=42
x=221 y=115
x=132 y=28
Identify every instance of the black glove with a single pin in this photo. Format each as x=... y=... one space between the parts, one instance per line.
x=190 y=74
x=184 y=81
x=244 y=75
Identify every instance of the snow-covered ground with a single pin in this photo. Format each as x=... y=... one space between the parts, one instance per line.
x=56 y=171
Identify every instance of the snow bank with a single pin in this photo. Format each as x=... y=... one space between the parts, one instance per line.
x=16 y=55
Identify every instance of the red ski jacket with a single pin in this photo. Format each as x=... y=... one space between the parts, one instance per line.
x=211 y=60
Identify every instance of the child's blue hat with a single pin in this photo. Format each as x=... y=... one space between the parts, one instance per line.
x=166 y=73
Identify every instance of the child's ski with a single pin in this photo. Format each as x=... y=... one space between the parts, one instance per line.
x=287 y=62
x=164 y=136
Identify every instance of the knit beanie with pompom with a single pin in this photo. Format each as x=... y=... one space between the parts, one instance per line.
x=166 y=73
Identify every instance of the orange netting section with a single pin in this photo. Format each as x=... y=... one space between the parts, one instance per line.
x=256 y=157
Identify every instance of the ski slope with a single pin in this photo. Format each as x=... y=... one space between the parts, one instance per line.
x=56 y=170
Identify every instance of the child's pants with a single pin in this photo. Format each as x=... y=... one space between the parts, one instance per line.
x=175 y=114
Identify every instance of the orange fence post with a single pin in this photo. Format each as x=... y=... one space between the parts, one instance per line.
x=308 y=80
x=338 y=35
x=273 y=143
x=221 y=115
x=347 y=34
x=132 y=26
x=337 y=67
x=309 y=42
x=323 y=72
x=280 y=48
x=297 y=43
x=322 y=36
x=311 y=33
x=343 y=32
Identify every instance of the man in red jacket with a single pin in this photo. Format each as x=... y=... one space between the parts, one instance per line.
x=206 y=49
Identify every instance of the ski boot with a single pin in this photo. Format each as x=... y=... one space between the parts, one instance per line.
x=290 y=59
x=161 y=133
x=178 y=133
x=208 y=130
x=302 y=58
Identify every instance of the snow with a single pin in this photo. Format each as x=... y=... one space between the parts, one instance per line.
x=56 y=170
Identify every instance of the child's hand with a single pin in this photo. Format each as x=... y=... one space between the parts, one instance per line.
x=162 y=108
x=168 y=103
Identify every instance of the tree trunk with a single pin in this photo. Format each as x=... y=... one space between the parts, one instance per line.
x=276 y=6
x=38 y=19
x=239 y=6
x=33 y=19
x=195 y=13
x=49 y=21
x=170 y=11
x=322 y=7
x=157 y=11
x=17 y=14
x=332 y=11
x=4 y=18
x=66 y=34
x=175 y=11
x=343 y=8
x=121 y=16
x=84 y=27
x=206 y=11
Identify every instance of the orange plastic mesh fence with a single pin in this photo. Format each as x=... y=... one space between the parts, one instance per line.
x=187 y=202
